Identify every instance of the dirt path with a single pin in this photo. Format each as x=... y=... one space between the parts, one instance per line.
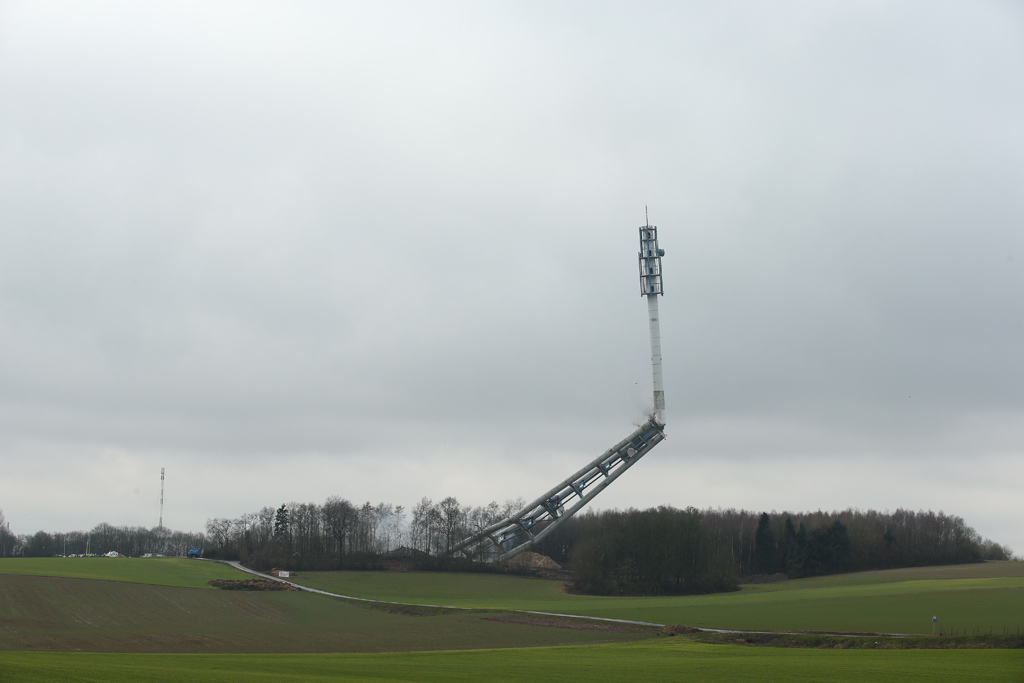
x=242 y=568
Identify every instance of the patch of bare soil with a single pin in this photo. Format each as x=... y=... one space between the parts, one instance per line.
x=871 y=642
x=251 y=585
x=410 y=610
x=678 y=630
x=574 y=624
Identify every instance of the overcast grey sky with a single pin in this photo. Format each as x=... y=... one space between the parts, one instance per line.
x=388 y=250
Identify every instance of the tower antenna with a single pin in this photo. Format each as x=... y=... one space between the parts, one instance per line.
x=651 y=286
x=161 y=525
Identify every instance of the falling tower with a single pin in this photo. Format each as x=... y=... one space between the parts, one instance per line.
x=518 y=532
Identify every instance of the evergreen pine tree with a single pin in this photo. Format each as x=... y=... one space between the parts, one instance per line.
x=764 y=546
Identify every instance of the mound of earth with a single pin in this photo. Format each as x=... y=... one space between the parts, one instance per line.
x=539 y=565
x=534 y=561
x=677 y=630
x=251 y=585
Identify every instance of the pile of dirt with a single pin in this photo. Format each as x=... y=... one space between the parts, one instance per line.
x=278 y=572
x=534 y=561
x=251 y=585
x=540 y=565
x=677 y=630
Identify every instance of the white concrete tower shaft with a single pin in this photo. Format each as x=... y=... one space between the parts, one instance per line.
x=161 y=498
x=659 y=384
x=651 y=286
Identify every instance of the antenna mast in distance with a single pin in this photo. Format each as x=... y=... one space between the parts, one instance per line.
x=161 y=525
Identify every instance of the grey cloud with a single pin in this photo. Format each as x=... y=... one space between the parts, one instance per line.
x=350 y=232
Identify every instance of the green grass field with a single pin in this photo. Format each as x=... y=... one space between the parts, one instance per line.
x=60 y=614
x=158 y=571
x=980 y=596
x=664 y=659
x=99 y=619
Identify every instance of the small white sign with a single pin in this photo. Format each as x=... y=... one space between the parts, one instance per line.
x=283 y=575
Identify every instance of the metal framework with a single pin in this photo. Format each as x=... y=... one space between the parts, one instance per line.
x=516 y=533
x=512 y=535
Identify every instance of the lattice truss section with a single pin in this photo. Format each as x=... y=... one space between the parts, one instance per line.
x=516 y=533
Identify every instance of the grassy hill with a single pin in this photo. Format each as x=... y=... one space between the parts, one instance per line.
x=122 y=621
x=964 y=597
x=55 y=613
x=977 y=596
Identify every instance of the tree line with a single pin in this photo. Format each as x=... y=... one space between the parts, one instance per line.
x=9 y=543
x=657 y=551
x=664 y=550
x=339 y=534
x=133 y=541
